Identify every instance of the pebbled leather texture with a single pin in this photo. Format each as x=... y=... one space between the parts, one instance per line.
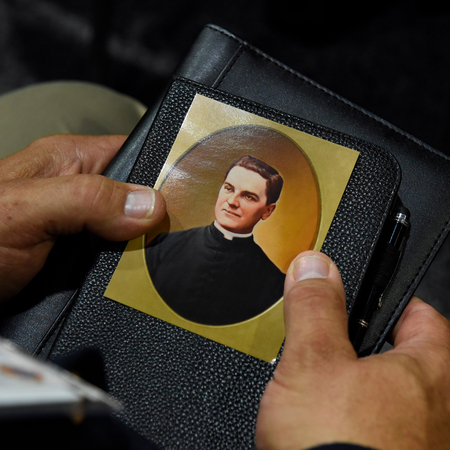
x=180 y=389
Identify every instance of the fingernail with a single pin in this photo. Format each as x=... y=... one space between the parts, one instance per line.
x=140 y=204
x=310 y=267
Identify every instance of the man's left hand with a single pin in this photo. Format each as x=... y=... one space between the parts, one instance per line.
x=53 y=188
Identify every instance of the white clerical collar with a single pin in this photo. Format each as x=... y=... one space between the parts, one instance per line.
x=229 y=234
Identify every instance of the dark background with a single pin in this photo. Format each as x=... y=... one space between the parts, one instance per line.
x=391 y=58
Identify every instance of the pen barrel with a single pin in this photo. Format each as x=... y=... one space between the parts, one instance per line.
x=398 y=233
x=360 y=318
x=387 y=266
x=374 y=285
x=379 y=274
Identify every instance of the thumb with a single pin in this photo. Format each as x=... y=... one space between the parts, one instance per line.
x=40 y=209
x=315 y=312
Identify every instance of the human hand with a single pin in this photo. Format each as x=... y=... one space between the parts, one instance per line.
x=53 y=188
x=322 y=393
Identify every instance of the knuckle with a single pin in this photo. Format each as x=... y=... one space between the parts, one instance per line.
x=58 y=152
x=48 y=144
x=314 y=295
x=93 y=191
x=320 y=305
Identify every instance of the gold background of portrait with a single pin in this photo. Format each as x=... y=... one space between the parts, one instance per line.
x=212 y=137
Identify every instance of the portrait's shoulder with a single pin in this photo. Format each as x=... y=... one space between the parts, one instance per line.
x=157 y=239
x=268 y=263
x=175 y=236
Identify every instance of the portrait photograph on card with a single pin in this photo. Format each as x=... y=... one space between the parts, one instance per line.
x=244 y=196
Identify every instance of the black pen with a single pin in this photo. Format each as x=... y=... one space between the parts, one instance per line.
x=379 y=274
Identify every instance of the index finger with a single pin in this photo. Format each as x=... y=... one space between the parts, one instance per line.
x=62 y=154
x=419 y=326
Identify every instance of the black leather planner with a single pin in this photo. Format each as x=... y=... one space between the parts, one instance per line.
x=181 y=389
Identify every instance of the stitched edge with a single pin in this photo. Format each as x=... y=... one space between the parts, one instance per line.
x=55 y=327
x=228 y=67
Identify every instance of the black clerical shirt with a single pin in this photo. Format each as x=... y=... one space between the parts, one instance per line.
x=211 y=280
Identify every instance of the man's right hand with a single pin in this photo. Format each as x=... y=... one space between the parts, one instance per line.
x=323 y=393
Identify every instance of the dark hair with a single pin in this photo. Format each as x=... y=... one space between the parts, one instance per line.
x=274 y=182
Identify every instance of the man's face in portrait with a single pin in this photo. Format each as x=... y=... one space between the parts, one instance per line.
x=241 y=202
